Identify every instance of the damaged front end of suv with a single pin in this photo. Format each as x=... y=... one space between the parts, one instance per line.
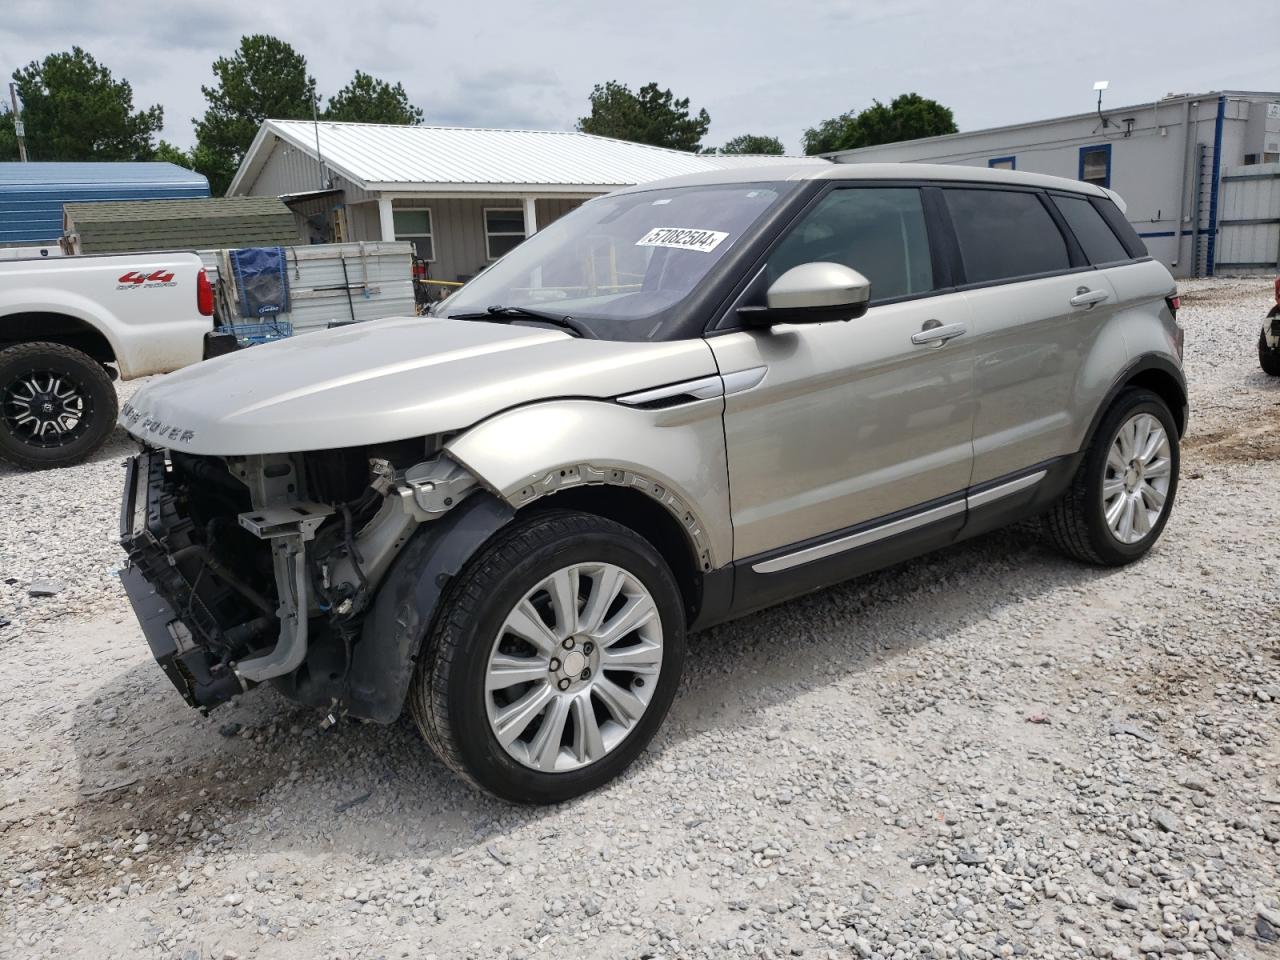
x=307 y=570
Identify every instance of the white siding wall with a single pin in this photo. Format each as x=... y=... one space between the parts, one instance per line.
x=286 y=170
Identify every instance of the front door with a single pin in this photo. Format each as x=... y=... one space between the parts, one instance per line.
x=831 y=425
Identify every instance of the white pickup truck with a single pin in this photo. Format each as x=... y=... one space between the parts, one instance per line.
x=71 y=325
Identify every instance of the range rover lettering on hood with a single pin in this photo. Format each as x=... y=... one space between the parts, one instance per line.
x=391 y=380
x=140 y=425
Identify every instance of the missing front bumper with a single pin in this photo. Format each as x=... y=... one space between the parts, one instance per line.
x=198 y=677
x=151 y=532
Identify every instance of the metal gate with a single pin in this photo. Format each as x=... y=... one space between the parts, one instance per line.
x=1249 y=220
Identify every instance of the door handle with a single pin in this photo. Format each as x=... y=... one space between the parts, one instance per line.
x=1087 y=298
x=935 y=332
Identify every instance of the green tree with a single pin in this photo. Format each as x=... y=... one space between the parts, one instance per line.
x=367 y=99
x=74 y=109
x=169 y=153
x=909 y=117
x=264 y=78
x=651 y=116
x=751 y=143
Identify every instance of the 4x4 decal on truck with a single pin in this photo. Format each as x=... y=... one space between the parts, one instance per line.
x=135 y=279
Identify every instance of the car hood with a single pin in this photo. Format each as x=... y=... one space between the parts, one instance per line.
x=390 y=380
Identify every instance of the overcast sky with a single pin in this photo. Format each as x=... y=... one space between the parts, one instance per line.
x=757 y=67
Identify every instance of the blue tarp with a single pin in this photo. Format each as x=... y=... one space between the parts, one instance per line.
x=262 y=278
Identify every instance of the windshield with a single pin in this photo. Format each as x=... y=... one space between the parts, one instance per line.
x=620 y=266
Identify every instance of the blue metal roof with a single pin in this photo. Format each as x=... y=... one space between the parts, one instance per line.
x=32 y=194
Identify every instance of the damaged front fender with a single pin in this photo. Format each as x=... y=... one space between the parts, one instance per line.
x=385 y=654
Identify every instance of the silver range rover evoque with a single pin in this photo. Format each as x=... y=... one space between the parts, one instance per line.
x=675 y=405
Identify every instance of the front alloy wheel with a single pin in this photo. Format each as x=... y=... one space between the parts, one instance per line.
x=555 y=656
x=574 y=667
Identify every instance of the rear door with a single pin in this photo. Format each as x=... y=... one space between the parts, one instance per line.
x=831 y=425
x=1038 y=308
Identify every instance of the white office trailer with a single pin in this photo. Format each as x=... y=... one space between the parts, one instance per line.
x=1200 y=173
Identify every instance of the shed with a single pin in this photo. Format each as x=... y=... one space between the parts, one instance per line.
x=200 y=224
x=462 y=196
x=32 y=194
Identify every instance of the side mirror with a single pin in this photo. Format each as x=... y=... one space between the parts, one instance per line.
x=812 y=293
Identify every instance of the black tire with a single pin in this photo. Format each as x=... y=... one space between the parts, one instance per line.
x=1268 y=358
x=92 y=390
x=1077 y=523
x=447 y=697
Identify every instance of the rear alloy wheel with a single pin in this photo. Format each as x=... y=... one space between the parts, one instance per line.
x=1136 y=485
x=1120 y=498
x=555 y=656
x=57 y=405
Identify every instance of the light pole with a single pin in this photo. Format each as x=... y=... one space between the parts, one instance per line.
x=17 y=123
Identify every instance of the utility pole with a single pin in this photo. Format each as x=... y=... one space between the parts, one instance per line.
x=18 y=128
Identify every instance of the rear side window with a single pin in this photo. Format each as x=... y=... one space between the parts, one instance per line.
x=1097 y=240
x=1121 y=227
x=878 y=231
x=1005 y=234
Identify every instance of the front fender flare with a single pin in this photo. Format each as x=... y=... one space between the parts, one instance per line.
x=676 y=455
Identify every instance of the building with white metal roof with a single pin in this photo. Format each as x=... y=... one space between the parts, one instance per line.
x=463 y=196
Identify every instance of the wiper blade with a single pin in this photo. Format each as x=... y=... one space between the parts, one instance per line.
x=507 y=314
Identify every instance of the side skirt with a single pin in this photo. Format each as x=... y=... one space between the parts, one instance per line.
x=765 y=579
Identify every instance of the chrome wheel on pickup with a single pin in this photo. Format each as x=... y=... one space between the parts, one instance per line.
x=554 y=658
x=57 y=405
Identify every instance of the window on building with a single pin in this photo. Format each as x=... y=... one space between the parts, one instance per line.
x=878 y=231
x=1097 y=240
x=503 y=230
x=1003 y=163
x=1005 y=234
x=1095 y=165
x=415 y=226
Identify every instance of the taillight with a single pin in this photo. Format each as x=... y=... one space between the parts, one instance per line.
x=1175 y=304
x=204 y=294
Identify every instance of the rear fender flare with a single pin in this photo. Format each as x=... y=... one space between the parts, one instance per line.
x=73 y=306
x=1139 y=365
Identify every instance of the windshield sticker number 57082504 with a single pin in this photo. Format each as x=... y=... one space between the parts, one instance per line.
x=683 y=238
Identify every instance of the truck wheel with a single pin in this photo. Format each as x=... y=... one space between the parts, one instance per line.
x=1268 y=357
x=553 y=660
x=57 y=405
x=1121 y=495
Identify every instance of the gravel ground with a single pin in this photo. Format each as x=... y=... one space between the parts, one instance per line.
x=987 y=752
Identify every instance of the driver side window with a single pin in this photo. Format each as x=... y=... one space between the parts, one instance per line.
x=878 y=231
